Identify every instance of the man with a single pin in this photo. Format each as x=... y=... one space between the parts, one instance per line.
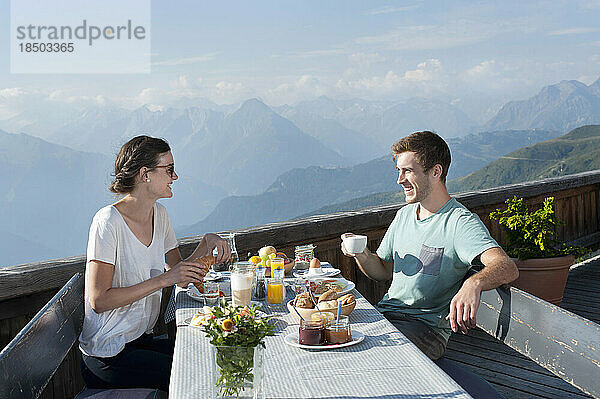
x=427 y=250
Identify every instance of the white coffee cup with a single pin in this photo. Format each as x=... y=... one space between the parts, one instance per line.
x=355 y=244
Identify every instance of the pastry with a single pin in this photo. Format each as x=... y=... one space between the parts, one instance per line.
x=328 y=295
x=347 y=299
x=207 y=261
x=328 y=305
x=304 y=301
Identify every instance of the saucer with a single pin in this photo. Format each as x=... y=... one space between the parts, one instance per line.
x=292 y=340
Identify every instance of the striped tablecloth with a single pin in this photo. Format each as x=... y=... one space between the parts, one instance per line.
x=385 y=365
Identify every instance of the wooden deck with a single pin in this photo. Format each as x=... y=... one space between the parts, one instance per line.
x=511 y=373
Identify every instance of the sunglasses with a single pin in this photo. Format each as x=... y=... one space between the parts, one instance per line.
x=170 y=169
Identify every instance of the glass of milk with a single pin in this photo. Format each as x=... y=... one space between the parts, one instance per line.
x=241 y=284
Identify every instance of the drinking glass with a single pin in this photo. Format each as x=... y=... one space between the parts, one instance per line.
x=276 y=264
x=300 y=286
x=211 y=293
x=275 y=291
x=278 y=273
x=303 y=255
x=241 y=284
x=234 y=258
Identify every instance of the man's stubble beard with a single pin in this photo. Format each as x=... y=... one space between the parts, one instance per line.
x=425 y=189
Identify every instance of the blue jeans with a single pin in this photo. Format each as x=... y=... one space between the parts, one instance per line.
x=143 y=363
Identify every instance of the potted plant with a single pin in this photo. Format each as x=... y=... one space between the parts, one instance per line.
x=237 y=335
x=542 y=261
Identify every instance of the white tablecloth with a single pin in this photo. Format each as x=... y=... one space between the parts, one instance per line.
x=385 y=365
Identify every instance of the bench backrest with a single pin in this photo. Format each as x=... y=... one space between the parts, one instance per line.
x=562 y=342
x=28 y=362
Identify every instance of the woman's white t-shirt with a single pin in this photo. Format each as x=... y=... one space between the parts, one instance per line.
x=112 y=241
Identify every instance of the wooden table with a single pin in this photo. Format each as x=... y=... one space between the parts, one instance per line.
x=385 y=365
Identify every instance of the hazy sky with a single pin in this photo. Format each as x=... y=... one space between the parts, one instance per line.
x=476 y=54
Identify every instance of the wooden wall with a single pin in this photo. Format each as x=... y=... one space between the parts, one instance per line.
x=24 y=289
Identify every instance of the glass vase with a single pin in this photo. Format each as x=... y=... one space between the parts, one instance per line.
x=239 y=372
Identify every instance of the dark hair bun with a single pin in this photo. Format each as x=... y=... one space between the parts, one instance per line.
x=139 y=152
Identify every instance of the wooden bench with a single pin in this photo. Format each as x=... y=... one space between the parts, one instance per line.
x=561 y=343
x=30 y=360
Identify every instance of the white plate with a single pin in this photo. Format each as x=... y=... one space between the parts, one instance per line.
x=193 y=293
x=259 y=314
x=292 y=340
x=349 y=284
x=349 y=287
x=187 y=322
x=213 y=276
x=326 y=272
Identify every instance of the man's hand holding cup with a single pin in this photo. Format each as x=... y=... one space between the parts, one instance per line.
x=353 y=244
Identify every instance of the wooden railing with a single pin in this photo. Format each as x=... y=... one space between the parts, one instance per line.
x=24 y=289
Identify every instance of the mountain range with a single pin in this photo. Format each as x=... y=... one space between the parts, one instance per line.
x=316 y=190
x=575 y=152
x=230 y=150
x=563 y=106
x=50 y=193
x=386 y=122
x=273 y=163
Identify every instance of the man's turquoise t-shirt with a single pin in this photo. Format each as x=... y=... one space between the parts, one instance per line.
x=431 y=257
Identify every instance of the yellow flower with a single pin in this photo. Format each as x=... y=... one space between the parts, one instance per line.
x=227 y=325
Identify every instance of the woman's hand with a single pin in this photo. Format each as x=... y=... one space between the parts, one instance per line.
x=214 y=241
x=185 y=272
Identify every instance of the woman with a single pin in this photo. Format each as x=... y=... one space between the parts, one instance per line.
x=130 y=245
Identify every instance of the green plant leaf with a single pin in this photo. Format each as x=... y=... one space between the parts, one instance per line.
x=531 y=234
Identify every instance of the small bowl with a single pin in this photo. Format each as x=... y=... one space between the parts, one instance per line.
x=307 y=313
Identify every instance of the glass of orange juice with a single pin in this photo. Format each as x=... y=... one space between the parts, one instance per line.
x=275 y=291
x=277 y=263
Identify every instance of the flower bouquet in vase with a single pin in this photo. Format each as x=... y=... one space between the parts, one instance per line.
x=237 y=335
